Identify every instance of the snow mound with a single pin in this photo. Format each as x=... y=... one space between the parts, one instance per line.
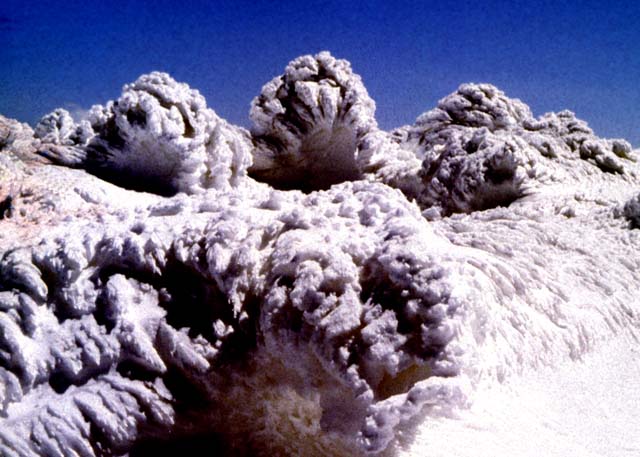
x=316 y=286
x=159 y=136
x=481 y=149
x=307 y=124
x=58 y=127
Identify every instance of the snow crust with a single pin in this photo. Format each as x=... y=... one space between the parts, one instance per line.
x=312 y=286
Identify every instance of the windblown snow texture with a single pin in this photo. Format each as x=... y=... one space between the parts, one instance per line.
x=313 y=286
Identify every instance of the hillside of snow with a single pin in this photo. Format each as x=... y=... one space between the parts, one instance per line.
x=316 y=286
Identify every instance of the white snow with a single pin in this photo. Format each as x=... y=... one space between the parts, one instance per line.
x=588 y=407
x=465 y=286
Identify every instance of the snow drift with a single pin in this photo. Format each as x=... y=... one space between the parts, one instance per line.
x=313 y=286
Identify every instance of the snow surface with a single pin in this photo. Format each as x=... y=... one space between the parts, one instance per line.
x=466 y=285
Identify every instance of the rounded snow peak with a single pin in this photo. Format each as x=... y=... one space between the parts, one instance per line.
x=480 y=149
x=159 y=136
x=308 y=122
x=58 y=127
x=484 y=105
x=472 y=105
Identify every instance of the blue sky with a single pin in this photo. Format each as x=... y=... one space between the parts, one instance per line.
x=583 y=56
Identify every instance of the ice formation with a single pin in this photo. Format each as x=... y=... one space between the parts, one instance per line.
x=307 y=124
x=480 y=149
x=313 y=286
x=159 y=136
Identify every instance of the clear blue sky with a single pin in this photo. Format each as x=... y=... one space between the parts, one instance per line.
x=583 y=56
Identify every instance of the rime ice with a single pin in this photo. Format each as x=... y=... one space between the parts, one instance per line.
x=315 y=285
